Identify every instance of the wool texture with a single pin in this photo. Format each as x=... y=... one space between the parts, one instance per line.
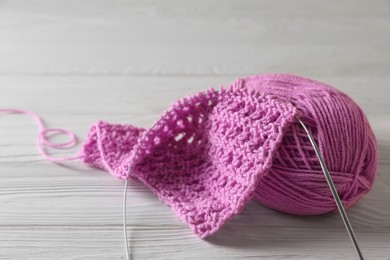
x=212 y=152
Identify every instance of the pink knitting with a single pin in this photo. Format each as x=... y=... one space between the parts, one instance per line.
x=203 y=158
x=210 y=153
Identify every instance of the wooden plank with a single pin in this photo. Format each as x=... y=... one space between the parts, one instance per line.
x=157 y=243
x=153 y=38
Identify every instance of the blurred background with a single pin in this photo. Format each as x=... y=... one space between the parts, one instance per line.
x=124 y=61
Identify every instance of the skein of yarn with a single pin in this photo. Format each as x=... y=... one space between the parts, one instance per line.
x=295 y=183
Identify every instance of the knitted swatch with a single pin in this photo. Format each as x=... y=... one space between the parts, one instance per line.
x=210 y=153
x=203 y=158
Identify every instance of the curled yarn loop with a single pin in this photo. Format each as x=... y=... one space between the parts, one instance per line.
x=42 y=138
x=210 y=153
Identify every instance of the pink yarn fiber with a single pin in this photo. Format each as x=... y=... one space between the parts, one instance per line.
x=210 y=153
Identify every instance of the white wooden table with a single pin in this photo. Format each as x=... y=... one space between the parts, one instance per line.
x=75 y=62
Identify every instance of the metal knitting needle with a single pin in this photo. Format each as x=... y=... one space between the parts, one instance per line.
x=336 y=197
x=328 y=178
x=128 y=255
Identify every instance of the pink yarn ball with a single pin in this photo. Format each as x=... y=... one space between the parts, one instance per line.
x=295 y=184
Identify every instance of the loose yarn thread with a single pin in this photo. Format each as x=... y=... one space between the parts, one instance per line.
x=42 y=137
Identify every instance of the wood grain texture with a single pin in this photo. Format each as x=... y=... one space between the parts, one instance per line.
x=76 y=62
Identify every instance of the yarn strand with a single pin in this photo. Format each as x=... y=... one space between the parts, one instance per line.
x=42 y=137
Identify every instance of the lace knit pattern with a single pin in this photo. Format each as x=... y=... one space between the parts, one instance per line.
x=203 y=158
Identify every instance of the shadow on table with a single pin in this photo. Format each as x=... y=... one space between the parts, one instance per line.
x=261 y=227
